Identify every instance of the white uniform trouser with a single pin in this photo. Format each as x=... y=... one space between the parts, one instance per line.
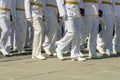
x=51 y=33
x=72 y=36
x=91 y=24
x=13 y=35
x=5 y=33
x=84 y=30
x=61 y=33
x=106 y=35
x=60 y=29
x=116 y=39
x=21 y=26
x=38 y=36
x=29 y=35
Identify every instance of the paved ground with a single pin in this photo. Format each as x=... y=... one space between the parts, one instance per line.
x=22 y=67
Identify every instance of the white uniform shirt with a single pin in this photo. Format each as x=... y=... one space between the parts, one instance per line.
x=5 y=6
x=33 y=8
x=91 y=7
x=116 y=4
x=50 y=8
x=81 y=4
x=107 y=7
x=69 y=8
x=18 y=9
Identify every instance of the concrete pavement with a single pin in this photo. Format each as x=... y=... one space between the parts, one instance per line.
x=22 y=67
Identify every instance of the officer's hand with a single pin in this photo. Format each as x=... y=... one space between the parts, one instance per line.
x=100 y=13
x=30 y=20
x=64 y=17
x=82 y=11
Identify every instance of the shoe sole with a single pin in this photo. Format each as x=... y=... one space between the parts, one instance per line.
x=38 y=58
x=74 y=59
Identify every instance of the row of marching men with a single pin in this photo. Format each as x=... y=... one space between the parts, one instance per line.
x=46 y=29
x=100 y=18
x=13 y=26
x=28 y=23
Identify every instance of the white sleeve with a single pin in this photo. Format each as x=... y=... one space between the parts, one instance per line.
x=13 y=9
x=113 y=4
x=81 y=4
x=44 y=8
x=113 y=10
x=61 y=8
x=27 y=9
x=99 y=4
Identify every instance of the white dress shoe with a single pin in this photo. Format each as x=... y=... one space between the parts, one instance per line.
x=59 y=54
x=101 y=50
x=81 y=55
x=40 y=57
x=78 y=59
x=109 y=53
x=81 y=59
x=14 y=49
x=5 y=53
x=54 y=54
x=21 y=52
x=114 y=51
x=47 y=51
